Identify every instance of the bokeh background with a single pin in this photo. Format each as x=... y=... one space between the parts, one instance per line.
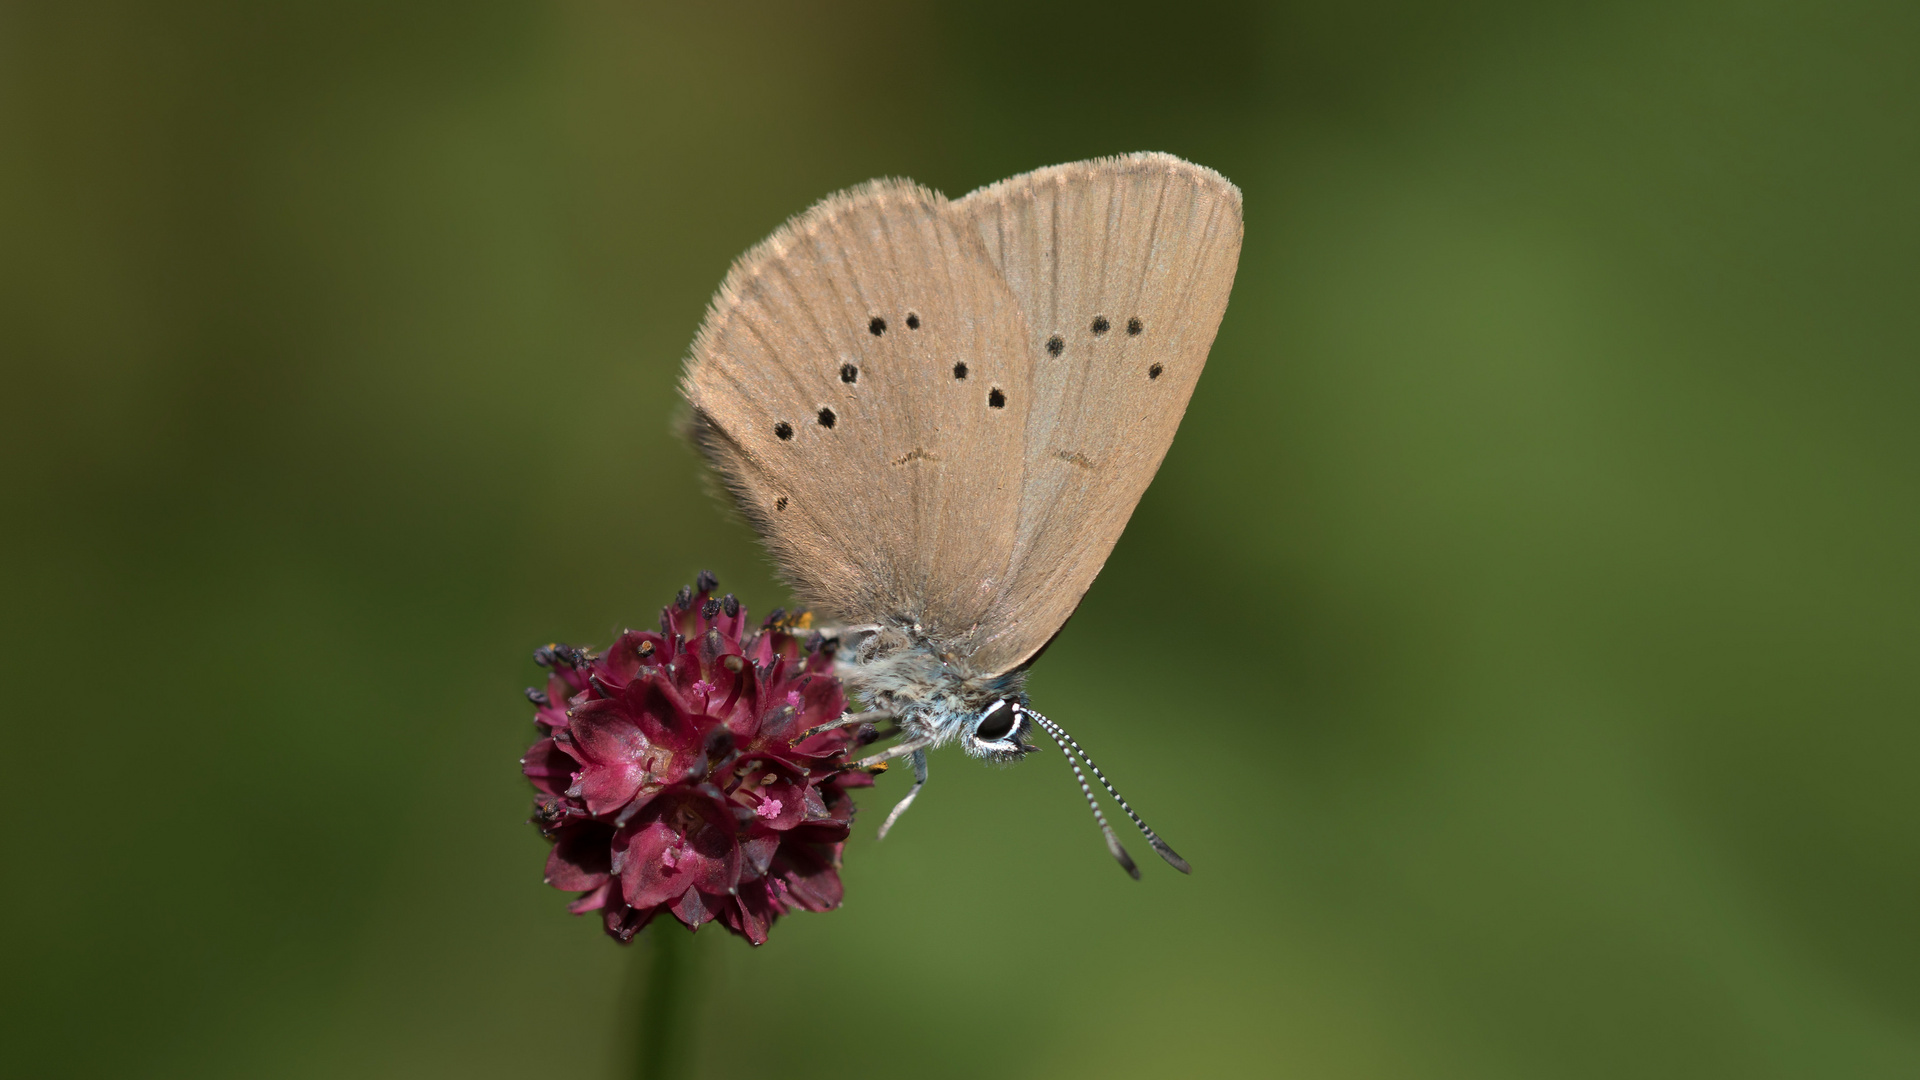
x=1520 y=639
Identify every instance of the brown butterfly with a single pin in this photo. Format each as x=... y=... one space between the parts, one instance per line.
x=939 y=414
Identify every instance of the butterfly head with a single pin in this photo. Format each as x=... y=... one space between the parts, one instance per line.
x=999 y=732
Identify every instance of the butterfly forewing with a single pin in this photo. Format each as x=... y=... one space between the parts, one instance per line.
x=1123 y=267
x=828 y=388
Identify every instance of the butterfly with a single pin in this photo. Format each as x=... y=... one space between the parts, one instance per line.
x=939 y=415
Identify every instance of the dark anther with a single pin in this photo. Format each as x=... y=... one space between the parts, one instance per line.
x=705 y=582
x=913 y=321
x=685 y=599
x=730 y=604
x=548 y=812
x=1101 y=325
x=780 y=503
x=876 y=326
x=784 y=430
x=849 y=373
x=538 y=697
x=997 y=399
x=564 y=655
x=1154 y=371
x=1056 y=345
x=710 y=608
x=774 y=616
x=826 y=417
x=960 y=370
x=1134 y=326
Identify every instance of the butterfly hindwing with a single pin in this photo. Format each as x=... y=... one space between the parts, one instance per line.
x=1123 y=267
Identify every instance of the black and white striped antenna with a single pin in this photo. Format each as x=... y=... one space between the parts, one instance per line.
x=1075 y=755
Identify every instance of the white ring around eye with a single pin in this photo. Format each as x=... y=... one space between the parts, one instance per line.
x=989 y=711
x=1012 y=737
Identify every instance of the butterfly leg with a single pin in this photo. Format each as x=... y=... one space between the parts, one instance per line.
x=919 y=781
x=899 y=750
x=843 y=633
x=846 y=719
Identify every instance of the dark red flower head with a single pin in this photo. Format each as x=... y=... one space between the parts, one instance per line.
x=668 y=777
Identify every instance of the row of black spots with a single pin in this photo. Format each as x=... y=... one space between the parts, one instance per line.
x=996 y=398
x=1101 y=326
x=826 y=418
x=1057 y=344
x=877 y=325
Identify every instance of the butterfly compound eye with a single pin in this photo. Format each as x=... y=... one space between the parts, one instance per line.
x=997 y=724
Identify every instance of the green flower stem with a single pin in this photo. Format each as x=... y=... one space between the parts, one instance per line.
x=667 y=1001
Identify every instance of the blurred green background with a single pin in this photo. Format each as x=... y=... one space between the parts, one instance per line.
x=1520 y=639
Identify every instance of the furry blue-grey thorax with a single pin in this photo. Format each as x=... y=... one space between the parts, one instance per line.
x=933 y=698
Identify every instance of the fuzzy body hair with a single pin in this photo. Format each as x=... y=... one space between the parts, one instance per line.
x=934 y=697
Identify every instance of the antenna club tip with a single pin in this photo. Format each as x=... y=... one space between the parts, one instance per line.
x=1173 y=858
x=1075 y=755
